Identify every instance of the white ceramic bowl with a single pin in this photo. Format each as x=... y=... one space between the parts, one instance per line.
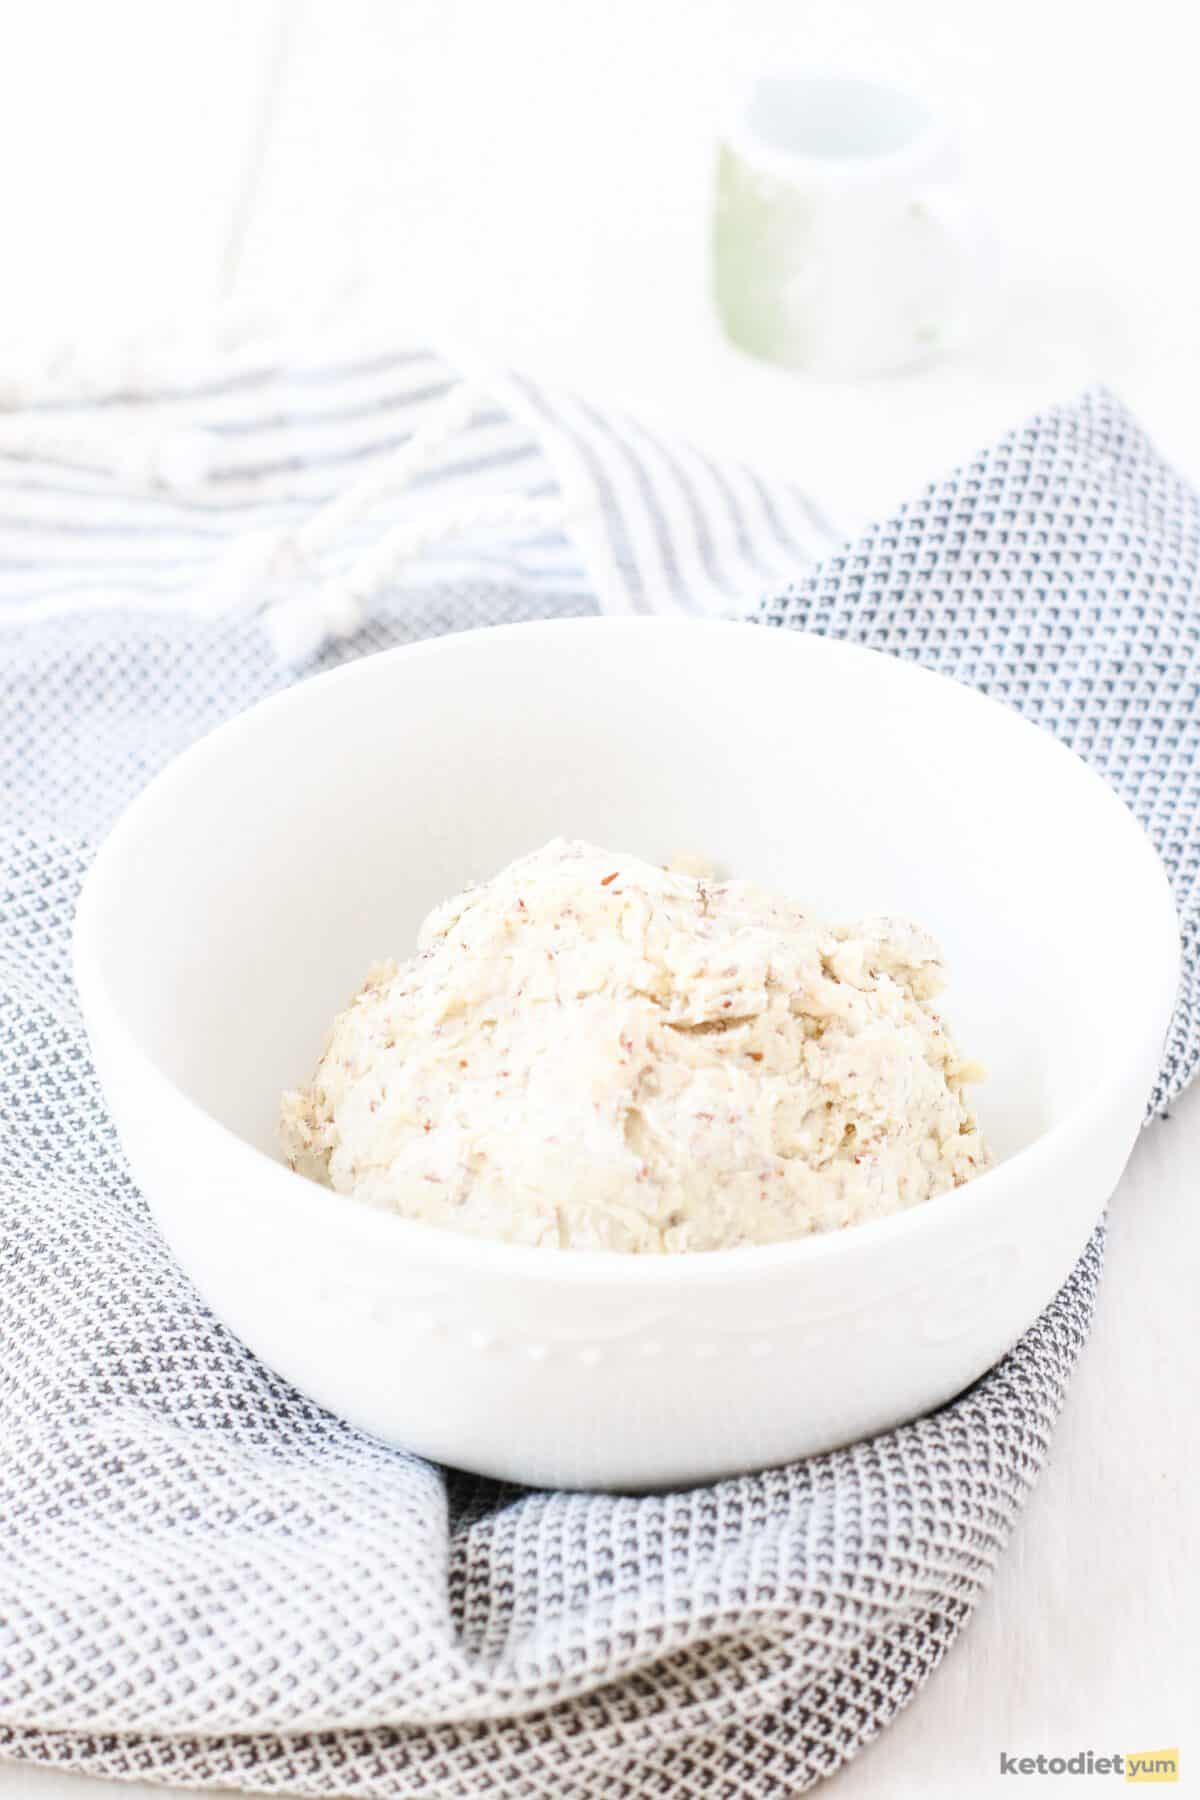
x=240 y=900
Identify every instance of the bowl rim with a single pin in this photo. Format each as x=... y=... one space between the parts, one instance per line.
x=440 y=1243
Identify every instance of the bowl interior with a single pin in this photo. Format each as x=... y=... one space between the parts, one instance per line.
x=238 y=904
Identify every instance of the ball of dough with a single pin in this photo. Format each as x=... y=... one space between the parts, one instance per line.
x=592 y=1052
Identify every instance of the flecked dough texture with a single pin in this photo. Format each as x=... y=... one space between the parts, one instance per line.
x=592 y=1052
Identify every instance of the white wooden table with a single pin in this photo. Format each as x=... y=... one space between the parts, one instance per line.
x=533 y=179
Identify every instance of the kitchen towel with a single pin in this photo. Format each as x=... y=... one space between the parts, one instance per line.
x=204 y=1579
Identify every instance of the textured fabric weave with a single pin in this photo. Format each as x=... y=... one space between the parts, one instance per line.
x=205 y=1579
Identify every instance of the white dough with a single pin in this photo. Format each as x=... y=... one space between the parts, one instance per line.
x=592 y=1052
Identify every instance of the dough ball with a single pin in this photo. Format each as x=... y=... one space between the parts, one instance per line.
x=595 y=1053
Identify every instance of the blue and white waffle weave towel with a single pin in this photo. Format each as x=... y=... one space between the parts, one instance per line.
x=206 y=1580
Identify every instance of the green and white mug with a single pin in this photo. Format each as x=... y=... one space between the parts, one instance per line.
x=842 y=238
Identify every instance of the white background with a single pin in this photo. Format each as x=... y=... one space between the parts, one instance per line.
x=534 y=178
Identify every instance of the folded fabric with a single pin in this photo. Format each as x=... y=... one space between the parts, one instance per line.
x=203 y=1577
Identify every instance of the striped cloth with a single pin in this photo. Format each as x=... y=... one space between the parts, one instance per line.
x=206 y=1580
x=198 y=464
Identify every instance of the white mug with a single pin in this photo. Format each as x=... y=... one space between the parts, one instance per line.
x=840 y=240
